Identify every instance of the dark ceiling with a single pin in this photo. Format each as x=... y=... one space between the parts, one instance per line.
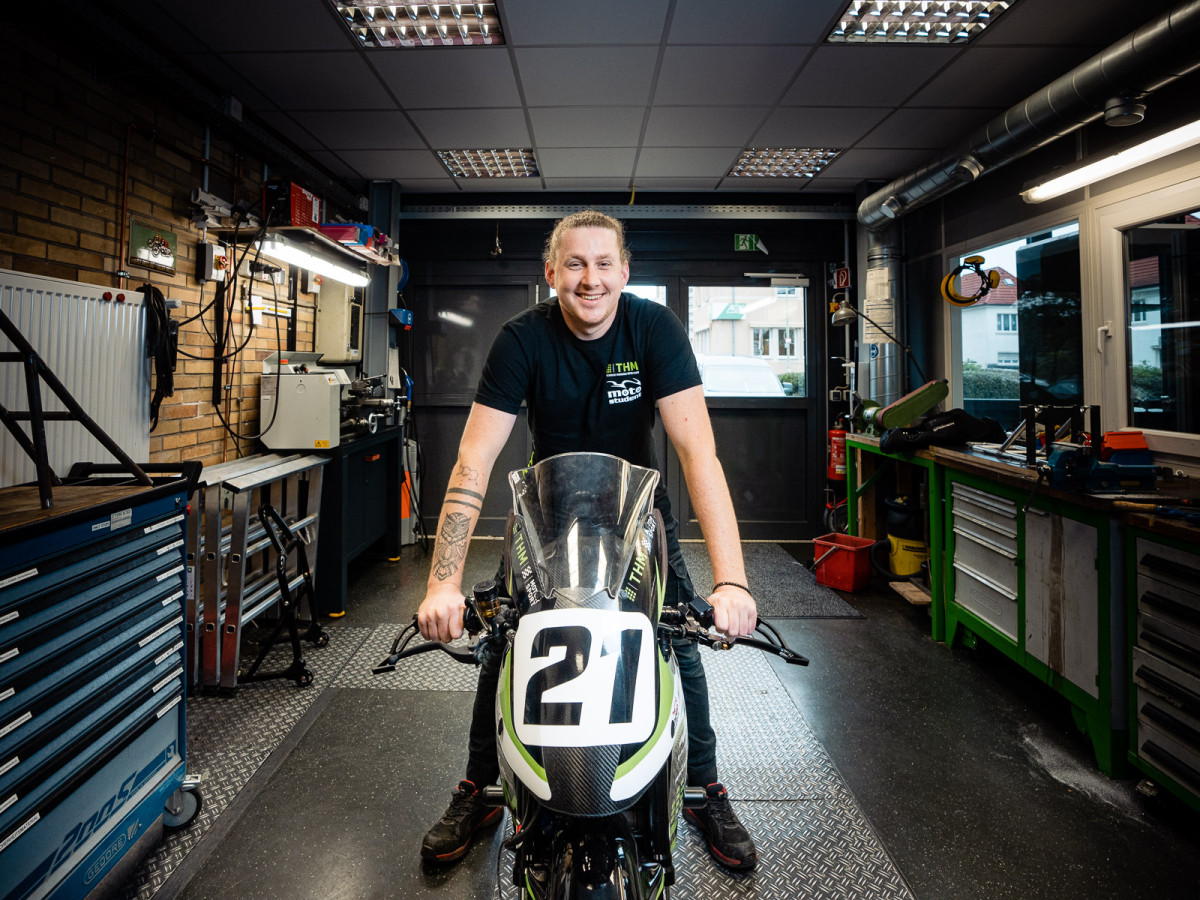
x=616 y=95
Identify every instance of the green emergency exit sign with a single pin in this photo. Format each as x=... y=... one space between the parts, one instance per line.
x=748 y=242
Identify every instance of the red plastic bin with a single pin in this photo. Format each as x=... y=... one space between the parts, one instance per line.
x=843 y=561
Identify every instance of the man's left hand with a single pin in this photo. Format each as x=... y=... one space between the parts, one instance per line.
x=734 y=611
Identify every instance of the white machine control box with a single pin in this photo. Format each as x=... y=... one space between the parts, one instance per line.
x=300 y=402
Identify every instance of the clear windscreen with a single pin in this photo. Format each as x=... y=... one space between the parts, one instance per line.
x=583 y=515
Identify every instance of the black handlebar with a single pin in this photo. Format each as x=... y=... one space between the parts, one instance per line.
x=690 y=623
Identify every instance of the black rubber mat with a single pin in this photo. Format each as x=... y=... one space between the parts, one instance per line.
x=783 y=587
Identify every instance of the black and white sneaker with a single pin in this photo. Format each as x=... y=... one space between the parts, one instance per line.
x=727 y=839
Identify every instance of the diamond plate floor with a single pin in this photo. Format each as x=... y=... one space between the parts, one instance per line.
x=230 y=737
x=812 y=838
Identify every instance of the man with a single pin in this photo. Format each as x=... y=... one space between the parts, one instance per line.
x=591 y=366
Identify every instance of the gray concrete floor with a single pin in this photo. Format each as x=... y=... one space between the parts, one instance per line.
x=970 y=772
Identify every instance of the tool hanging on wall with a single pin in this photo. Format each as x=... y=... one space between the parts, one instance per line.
x=987 y=282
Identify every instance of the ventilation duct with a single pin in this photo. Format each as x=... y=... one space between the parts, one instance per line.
x=1153 y=56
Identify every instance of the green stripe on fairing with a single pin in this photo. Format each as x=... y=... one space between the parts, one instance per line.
x=506 y=712
x=665 y=699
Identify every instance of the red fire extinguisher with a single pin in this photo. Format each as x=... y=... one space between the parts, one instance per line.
x=837 y=453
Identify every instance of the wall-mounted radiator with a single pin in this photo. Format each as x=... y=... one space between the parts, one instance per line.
x=96 y=348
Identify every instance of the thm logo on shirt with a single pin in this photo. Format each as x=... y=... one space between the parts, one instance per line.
x=622 y=382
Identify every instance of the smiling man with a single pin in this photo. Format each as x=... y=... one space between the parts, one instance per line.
x=593 y=365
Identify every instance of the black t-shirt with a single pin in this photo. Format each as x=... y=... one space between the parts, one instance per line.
x=595 y=395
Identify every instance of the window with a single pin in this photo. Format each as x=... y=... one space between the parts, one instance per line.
x=761 y=342
x=749 y=341
x=1023 y=342
x=1163 y=316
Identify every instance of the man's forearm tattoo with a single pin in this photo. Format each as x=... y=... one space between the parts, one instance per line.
x=451 y=545
x=456 y=495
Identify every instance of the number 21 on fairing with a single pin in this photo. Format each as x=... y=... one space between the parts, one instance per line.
x=583 y=678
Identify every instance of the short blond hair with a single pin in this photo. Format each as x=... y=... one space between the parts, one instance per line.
x=588 y=218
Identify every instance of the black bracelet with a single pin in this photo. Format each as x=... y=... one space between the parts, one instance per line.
x=732 y=584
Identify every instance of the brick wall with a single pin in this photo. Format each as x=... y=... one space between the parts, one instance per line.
x=83 y=152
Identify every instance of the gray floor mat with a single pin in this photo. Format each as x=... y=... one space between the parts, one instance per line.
x=783 y=587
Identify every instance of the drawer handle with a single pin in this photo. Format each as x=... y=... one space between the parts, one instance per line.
x=1172 y=607
x=1185 y=699
x=1170 y=567
x=1170 y=761
x=372 y=457
x=1167 y=645
x=1169 y=723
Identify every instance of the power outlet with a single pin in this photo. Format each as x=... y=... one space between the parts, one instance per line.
x=212 y=262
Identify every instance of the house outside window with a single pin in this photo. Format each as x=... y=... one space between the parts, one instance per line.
x=1006 y=321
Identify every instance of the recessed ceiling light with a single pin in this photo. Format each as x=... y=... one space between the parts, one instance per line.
x=489 y=163
x=915 y=21
x=782 y=162
x=410 y=24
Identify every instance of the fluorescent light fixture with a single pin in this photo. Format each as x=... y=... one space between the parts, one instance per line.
x=283 y=250
x=782 y=162
x=1147 y=151
x=914 y=21
x=410 y=24
x=489 y=163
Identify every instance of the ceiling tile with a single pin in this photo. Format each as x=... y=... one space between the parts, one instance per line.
x=226 y=79
x=932 y=128
x=398 y=164
x=676 y=184
x=365 y=130
x=313 y=80
x=426 y=185
x=239 y=25
x=702 y=162
x=724 y=76
x=604 y=162
x=532 y=22
x=998 y=77
x=1086 y=25
x=587 y=184
x=878 y=164
x=760 y=22
x=714 y=126
x=817 y=127
x=291 y=130
x=619 y=126
x=587 y=76
x=472 y=129
x=336 y=164
x=458 y=77
x=876 y=75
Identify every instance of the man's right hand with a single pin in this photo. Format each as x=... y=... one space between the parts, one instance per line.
x=440 y=616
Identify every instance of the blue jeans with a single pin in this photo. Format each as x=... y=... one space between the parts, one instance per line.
x=482 y=765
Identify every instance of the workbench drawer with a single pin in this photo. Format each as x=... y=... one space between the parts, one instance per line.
x=1169 y=681
x=1163 y=636
x=996 y=516
x=995 y=606
x=994 y=564
x=1165 y=750
x=1170 y=566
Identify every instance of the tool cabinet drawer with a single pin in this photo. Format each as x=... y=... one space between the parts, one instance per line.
x=993 y=603
x=1173 y=683
x=1165 y=750
x=995 y=515
x=1166 y=638
x=1170 y=566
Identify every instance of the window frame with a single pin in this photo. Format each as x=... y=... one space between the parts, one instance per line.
x=1108 y=222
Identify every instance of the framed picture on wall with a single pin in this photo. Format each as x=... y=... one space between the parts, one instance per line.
x=152 y=247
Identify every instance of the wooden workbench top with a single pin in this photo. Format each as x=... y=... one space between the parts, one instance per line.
x=22 y=505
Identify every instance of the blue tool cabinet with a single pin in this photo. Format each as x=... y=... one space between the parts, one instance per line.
x=92 y=675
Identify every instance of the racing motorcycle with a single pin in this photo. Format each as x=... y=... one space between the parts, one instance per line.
x=590 y=720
